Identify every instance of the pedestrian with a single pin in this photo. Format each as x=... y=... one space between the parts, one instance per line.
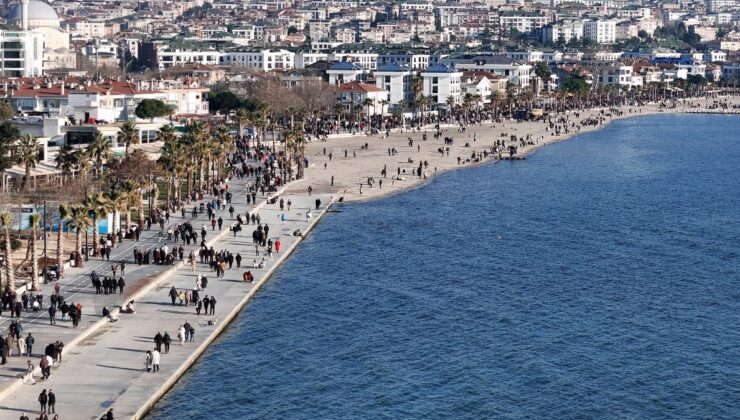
x=148 y=361
x=173 y=295
x=3 y=350
x=29 y=344
x=213 y=305
x=158 y=339
x=29 y=372
x=155 y=360
x=166 y=340
x=52 y=314
x=43 y=399
x=181 y=335
x=52 y=400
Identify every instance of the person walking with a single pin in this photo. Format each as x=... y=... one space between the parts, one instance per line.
x=29 y=372
x=173 y=295
x=213 y=305
x=148 y=361
x=52 y=401
x=43 y=399
x=29 y=344
x=158 y=341
x=166 y=340
x=52 y=314
x=155 y=360
x=181 y=334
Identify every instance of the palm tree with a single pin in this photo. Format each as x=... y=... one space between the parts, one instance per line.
x=223 y=144
x=66 y=160
x=495 y=98
x=63 y=219
x=368 y=103
x=450 y=101
x=34 y=220
x=128 y=135
x=83 y=161
x=383 y=104
x=242 y=119
x=7 y=220
x=417 y=86
x=339 y=110
x=27 y=153
x=117 y=202
x=79 y=220
x=99 y=206
x=133 y=197
x=100 y=151
x=171 y=159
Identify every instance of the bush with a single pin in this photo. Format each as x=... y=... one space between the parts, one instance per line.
x=15 y=244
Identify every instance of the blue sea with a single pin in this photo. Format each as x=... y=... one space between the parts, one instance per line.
x=599 y=278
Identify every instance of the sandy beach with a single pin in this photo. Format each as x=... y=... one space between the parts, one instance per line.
x=351 y=172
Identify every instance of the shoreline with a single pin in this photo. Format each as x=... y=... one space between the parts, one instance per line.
x=350 y=172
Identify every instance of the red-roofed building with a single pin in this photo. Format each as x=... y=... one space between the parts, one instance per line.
x=352 y=97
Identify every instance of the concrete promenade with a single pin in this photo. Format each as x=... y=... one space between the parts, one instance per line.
x=106 y=368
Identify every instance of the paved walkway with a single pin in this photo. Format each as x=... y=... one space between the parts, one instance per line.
x=106 y=369
x=76 y=287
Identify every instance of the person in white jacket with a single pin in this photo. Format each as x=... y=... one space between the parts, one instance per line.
x=155 y=360
x=181 y=334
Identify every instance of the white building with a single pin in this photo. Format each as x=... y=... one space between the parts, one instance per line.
x=344 y=72
x=516 y=72
x=562 y=31
x=524 y=22
x=442 y=82
x=396 y=80
x=264 y=60
x=352 y=97
x=600 y=31
x=21 y=53
x=618 y=76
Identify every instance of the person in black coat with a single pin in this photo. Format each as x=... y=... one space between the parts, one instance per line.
x=43 y=399
x=52 y=401
x=158 y=341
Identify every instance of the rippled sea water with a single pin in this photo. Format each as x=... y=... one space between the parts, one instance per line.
x=597 y=279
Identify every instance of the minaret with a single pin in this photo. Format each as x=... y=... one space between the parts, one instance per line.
x=24 y=15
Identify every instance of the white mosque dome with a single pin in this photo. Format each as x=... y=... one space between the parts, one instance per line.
x=40 y=15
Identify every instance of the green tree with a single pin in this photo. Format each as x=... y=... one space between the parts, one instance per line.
x=6 y=111
x=9 y=135
x=128 y=134
x=99 y=206
x=100 y=151
x=151 y=109
x=79 y=220
x=224 y=102
x=543 y=72
x=7 y=220
x=66 y=160
x=27 y=154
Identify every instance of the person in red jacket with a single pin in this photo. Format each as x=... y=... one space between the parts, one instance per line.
x=277 y=246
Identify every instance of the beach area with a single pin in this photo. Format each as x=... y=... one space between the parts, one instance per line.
x=103 y=365
x=360 y=164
